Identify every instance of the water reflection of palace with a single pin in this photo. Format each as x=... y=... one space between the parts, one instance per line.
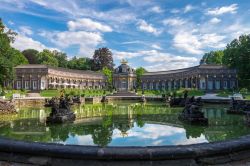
x=101 y=120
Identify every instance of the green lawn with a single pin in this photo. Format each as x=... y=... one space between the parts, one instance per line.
x=9 y=93
x=224 y=93
x=73 y=92
x=50 y=93
x=228 y=93
x=191 y=92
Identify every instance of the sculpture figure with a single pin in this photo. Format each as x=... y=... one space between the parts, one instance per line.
x=61 y=112
x=191 y=112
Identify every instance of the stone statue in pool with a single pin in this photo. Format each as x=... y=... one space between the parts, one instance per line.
x=192 y=114
x=61 y=112
x=239 y=107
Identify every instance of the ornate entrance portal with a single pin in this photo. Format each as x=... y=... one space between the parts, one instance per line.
x=124 y=77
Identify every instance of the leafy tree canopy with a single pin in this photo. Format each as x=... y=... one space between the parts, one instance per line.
x=79 y=63
x=31 y=55
x=139 y=72
x=47 y=57
x=237 y=55
x=102 y=57
x=61 y=58
x=9 y=57
x=109 y=74
x=212 y=57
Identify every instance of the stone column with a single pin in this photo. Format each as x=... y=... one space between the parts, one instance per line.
x=22 y=86
x=206 y=82
x=198 y=83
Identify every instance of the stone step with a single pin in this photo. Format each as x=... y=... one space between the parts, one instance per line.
x=123 y=94
x=33 y=95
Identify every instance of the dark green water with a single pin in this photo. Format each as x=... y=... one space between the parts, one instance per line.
x=123 y=124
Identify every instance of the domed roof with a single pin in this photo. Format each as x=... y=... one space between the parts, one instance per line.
x=124 y=68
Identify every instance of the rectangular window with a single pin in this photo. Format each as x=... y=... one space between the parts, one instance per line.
x=156 y=85
x=186 y=83
x=18 y=84
x=163 y=85
x=210 y=85
x=42 y=85
x=151 y=86
x=225 y=84
x=26 y=84
x=144 y=86
x=232 y=84
x=34 y=84
x=217 y=84
x=169 y=85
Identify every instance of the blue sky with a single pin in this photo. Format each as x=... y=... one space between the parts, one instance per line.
x=158 y=35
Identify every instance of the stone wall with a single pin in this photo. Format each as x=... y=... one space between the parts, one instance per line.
x=232 y=151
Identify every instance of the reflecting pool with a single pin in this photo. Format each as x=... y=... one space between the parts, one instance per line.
x=123 y=124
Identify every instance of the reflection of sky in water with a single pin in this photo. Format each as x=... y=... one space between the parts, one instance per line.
x=124 y=125
x=153 y=134
x=148 y=135
x=80 y=140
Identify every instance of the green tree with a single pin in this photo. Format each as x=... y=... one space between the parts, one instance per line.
x=31 y=55
x=80 y=63
x=212 y=57
x=47 y=57
x=108 y=73
x=61 y=58
x=237 y=55
x=102 y=57
x=9 y=57
x=139 y=72
x=17 y=57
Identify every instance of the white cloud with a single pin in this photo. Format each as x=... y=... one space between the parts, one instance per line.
x=215 y=20
x=158 y=60
x=88 y=24
x=169 y=66
x=188 y=42
x=144 y=26
x=23 y=42
x=212 y=40
x=195 y=43
x=125 y=55
x=133 y=42
x=174 y=11
x=25 y=30
x=156 y=46
x=156 y=56
x=174 y=21
x=164 y=61
x=11 y=22
x=70 y=9
x=237 y=29
x=87 y=41
x=188 y=8
x=156 y=9
x=222 y=10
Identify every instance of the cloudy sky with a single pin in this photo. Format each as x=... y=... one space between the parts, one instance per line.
x=155 y=34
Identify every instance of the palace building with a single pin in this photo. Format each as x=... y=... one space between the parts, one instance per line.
x=39 y=77
x=124 y=77
x=206 y=77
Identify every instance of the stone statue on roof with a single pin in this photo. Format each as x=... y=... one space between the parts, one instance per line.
x=124 y=61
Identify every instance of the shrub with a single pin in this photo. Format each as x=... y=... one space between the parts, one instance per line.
x=3 y=93
x=243 y=91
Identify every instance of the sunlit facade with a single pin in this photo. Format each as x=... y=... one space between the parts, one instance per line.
x=40 y=77
x=206 y=77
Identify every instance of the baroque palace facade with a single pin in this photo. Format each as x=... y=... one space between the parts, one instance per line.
x=39 y=77
x=204 y=77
